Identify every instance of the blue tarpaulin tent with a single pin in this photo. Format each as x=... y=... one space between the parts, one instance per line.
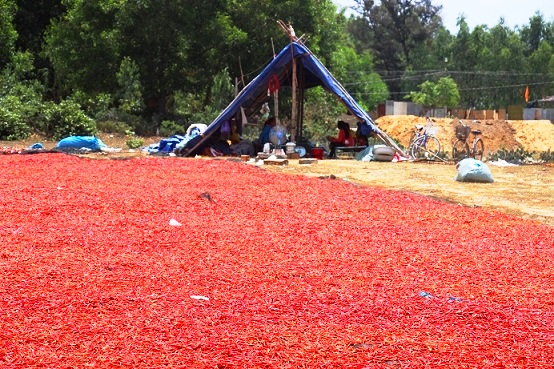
x=311 y=73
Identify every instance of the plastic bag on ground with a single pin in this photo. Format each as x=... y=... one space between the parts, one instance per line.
x=472 y=170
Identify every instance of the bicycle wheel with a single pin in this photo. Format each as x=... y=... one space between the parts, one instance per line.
x=426 y=147
x=413 y=137
x=460 y=150
x=478 y=149
x=412 y=151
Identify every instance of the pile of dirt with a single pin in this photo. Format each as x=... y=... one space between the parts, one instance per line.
x=530 y=135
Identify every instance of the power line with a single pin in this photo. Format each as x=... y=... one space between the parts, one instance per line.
x=448 y=71
x=473 y=88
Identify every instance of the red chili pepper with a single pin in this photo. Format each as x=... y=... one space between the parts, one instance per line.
x=293 y=275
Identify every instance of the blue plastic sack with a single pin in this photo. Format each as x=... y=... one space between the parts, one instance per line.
x=471 y=170
x=81 y=142
x=169 y=144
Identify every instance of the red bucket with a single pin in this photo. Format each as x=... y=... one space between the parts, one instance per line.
x=317 y=152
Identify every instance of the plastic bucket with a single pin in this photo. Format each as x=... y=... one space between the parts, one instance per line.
x=317 y=152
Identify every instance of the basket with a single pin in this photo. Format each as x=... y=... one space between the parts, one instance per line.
x=462 y=132
x=431 y=131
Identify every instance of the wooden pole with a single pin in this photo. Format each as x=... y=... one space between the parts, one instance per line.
x=241 y=73
x=276 y=93
x=293 y=117
x=292 y=36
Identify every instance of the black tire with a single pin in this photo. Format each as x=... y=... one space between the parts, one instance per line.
x=426 y=148
x=478 y=149
x=460 y=150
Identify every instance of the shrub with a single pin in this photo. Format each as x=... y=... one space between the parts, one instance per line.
x=515 y=156
x=134 y=142
x=170 y=128
x=547 y=156
x=20 y=97
x=110 y=126
x=67 y=119
x=95 y=106
x=12 y=125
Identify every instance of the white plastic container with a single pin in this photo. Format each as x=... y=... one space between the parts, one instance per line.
x=290 y=147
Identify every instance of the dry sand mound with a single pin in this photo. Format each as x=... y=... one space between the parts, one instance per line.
x=531 y=135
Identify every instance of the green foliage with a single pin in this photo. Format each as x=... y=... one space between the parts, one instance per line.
x=97 y=106
x=110 y=126
x=547 y=156
x=8 y=34
x=443 y=93
x=196 y=108
x=320 y=115
x=130 y=93
x=12 y=123
x=67 y=119
x=425 y=96
x=83 y=47
x=31 y=20
x=141 y=62
x=515 y=156
x=134 y=142
x=22 y=94
x=396 y=28
x=447 y=93
x=170 y=128
x=221 y=91
x=354 y=71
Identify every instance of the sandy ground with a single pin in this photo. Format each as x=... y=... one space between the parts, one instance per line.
x=526 y=191
x=531 y=135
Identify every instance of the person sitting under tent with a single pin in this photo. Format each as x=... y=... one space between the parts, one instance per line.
x=345 y=138
x=264 y=134
x=238 y=145
x=363 y=134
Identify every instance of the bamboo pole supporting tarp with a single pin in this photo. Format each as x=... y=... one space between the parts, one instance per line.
x=276 y=93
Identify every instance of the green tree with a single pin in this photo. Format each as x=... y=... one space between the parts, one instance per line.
x=31 y=21
x=541 y=63
x=8 y=34
x=443 y=93
x=20 y=98
x=534 y=33
x=397 y=28
x=355 y=71
x=130 y=92
x=447 y=93
x=84 y=48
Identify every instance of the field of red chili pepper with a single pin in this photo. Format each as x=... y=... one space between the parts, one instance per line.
x=168 y=263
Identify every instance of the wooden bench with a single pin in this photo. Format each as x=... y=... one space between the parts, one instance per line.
x=350 y=150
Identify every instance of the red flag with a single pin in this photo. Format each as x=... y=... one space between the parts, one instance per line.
x=527 y=94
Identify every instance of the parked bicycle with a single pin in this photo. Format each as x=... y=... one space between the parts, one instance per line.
x=461 y=148
x=424 y=144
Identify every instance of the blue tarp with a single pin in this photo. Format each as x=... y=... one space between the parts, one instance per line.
x=81 y=142
x=314 y=74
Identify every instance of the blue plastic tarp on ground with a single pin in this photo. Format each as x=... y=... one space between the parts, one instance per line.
x=81 y=142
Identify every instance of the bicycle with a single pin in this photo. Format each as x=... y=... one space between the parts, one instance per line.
x=424 y=144
x=461 y=148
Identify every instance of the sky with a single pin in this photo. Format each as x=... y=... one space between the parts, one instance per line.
x=487 y=12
